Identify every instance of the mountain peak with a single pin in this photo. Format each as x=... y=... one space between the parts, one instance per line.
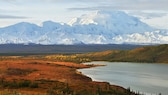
x=101 y=27
x=22 y=26
x=99 y=17
x=25 y=24
x=113 y=21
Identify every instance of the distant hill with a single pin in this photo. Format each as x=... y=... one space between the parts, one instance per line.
x=36 y=49
x=151 y=54
x=85 y=53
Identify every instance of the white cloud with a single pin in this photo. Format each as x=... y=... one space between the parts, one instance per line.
x=101 y=4
x=12 y=17
x=63 y=10
x=148 y=15
x=125 y=5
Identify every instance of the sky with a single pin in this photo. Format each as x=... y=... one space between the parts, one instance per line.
x=37 y=11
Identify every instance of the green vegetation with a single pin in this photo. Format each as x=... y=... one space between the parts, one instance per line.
x=9 y=92
x=59 y=88
x=17 y=84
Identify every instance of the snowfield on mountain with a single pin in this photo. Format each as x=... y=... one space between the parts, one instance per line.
x=101 y=27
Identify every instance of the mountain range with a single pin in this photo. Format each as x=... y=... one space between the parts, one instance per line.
x=101 y=27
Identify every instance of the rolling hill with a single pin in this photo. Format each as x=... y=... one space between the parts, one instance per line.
x=150 y=54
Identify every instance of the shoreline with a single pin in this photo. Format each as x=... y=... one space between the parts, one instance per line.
x=46 y=74
x=91 y=75
x=114 y=86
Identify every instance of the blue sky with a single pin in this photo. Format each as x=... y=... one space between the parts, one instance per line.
x=37 y=11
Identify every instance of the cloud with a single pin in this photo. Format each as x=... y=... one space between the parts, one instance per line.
x=7 y=0
x=148 y=15
x=86 y=8
x=104 y=4
x=11 y=17
x=124 y=5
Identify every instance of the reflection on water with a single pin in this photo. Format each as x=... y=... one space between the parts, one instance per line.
x=150 y=79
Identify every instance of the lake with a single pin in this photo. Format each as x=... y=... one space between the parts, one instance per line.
x=149 y=79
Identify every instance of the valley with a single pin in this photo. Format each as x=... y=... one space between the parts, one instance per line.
x=56 y=73
x=45 y=46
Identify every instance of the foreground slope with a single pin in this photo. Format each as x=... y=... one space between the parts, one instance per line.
x=39 y=77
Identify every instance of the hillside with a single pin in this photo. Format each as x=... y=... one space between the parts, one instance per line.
x=151 y=54
x=143 y=54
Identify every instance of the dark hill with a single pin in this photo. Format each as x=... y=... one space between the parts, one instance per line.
x=36 y=49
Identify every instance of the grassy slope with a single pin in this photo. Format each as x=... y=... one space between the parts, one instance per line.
x=152 y=54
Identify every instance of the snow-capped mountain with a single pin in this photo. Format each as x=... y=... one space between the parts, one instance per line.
x=113 y=22
x=101 y=27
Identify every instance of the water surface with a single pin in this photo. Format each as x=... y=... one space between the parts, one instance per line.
x=150 y=79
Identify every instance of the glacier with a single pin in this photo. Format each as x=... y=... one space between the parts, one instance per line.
x=100 y=27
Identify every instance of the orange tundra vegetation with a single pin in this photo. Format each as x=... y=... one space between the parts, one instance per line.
x=42 y=77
